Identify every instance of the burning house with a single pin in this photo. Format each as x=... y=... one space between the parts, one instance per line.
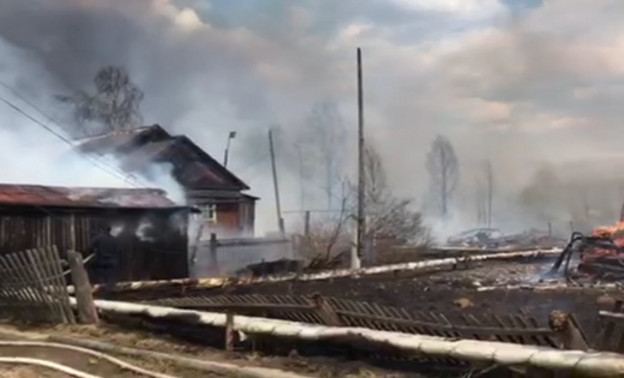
x=208 y=185
x=151 y=230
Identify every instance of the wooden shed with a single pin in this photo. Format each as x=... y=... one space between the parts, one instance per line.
x=152 y=230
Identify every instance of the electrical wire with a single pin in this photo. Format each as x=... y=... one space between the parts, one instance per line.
x=16 y=93
x=94 y=161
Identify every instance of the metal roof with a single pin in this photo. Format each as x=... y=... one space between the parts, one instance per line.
x=37 y=195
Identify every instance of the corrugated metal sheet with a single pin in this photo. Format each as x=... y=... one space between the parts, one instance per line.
x=38 y=195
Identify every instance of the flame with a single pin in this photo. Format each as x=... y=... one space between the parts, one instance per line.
x=615 y=232
x=609 y=231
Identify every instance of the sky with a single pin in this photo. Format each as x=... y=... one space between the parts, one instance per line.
x=517 y=82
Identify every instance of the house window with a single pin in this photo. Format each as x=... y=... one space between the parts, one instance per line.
x=210 y=213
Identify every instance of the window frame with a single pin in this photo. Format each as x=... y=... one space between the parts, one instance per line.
x=209 y=213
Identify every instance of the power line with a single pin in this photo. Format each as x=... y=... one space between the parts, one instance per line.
x=97 y=162
x=58 y=135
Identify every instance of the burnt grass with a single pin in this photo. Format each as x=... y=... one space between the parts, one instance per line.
x=452 y=291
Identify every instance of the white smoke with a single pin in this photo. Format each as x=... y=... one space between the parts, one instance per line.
x=143 y=230
x=514 y=90
x=35 y=149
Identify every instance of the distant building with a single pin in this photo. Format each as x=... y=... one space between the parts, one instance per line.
x=208 y=185
x=152 y=230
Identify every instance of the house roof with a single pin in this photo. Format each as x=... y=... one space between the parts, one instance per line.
x=193 y=167
x=56 y=196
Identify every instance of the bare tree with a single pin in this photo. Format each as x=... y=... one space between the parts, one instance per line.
x=443 y=168
x=322 y=141
x=390 y=219
x=481 y=201
x=489 y=179
x=328 y=240
x=115 y=105
x=389 y=216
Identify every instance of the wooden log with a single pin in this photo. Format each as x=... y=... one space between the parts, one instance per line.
x=216 y=282
x=587 y=364
x=84 y=297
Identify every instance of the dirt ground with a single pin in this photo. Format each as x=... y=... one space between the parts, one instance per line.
x=311 y=367
x=28 y=372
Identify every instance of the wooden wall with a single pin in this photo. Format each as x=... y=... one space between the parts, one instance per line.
x=158 y=252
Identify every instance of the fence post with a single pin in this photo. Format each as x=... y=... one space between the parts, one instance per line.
x=567 y=331
x=84 y=297
x=229 y=331
x=213 y=253
x=325 y=311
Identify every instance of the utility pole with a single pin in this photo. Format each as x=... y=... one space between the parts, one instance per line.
x=361 y=220
x=306 y=223
x=280 y=220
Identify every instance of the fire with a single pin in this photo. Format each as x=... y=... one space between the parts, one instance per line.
x=614 y=232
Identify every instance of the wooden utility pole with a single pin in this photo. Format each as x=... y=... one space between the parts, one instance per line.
x=361 y=220
x=306 y=224
x=280 y=220
x=214 y=259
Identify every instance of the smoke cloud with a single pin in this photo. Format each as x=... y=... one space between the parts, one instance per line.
x=520 y=83
x=36 y=156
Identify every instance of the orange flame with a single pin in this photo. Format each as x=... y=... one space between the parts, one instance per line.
x=614 y=232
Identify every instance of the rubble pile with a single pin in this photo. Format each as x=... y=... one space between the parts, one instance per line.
x=491 y=238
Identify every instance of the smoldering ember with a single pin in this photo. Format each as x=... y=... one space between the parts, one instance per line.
x=308 y=188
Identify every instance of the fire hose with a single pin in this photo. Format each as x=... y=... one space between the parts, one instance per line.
x=73 y=372
x=47 y=364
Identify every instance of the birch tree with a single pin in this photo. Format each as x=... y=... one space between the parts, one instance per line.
x=443 y=168
x=114 y=106
x=322 y=141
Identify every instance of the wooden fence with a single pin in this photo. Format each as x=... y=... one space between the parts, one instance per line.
x=513 y=328
x=612 y=328
x=33 y=287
